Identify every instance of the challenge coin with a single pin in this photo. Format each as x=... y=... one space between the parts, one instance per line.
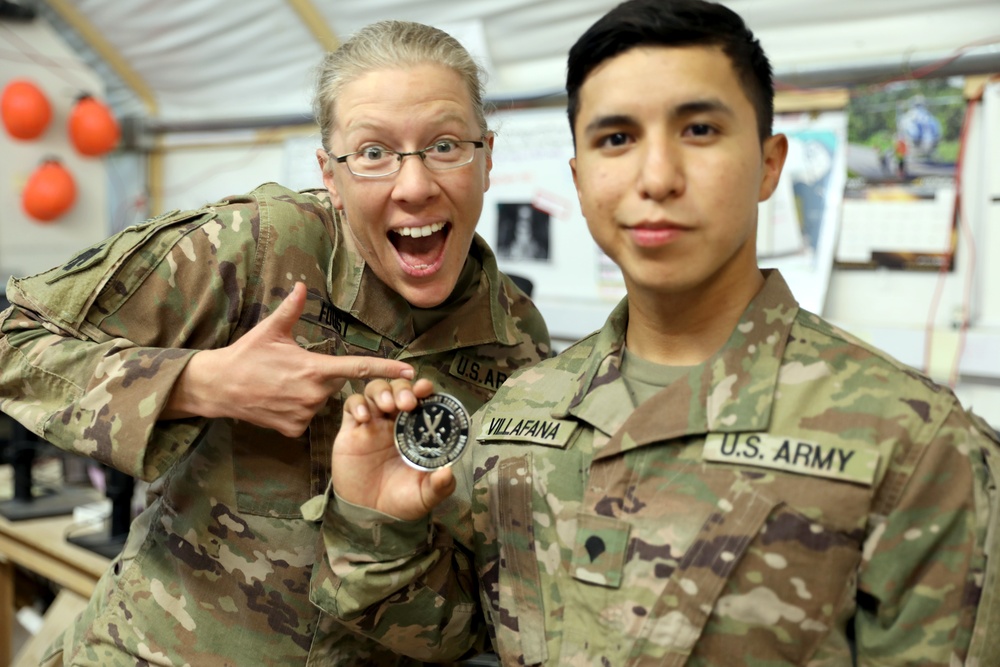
x=434 y=434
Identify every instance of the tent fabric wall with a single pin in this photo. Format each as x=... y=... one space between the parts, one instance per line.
x=213 y=59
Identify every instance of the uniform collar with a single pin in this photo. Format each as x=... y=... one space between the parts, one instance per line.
x=483 y=319
x=731 y=392
x=601 y=398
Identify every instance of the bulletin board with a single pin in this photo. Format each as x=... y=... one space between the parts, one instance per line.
x=531 y=216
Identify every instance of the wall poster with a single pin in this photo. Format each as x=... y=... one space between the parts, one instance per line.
x=900 y=205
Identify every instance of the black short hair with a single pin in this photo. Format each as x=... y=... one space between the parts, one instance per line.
x=674 y=23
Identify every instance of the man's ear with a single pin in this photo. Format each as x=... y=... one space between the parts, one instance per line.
x=775 y=150
x=576 y=182
x=327 y=169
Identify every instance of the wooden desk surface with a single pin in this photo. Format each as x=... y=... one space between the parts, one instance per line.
x=40 y=545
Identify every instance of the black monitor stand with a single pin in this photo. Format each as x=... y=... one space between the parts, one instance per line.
x=110 y=541
x=29 y=502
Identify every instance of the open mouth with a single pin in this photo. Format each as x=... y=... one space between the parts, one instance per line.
x=420 y=249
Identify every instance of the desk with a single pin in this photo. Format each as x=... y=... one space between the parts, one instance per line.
x=38 y=545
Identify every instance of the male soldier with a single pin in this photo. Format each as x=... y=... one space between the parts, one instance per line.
x=717 y=477
x=174 y=351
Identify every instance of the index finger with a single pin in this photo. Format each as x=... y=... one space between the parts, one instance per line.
x=363 y=368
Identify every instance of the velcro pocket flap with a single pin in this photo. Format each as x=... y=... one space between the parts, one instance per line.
x=66 y=303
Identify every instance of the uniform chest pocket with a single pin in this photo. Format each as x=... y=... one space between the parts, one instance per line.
x=715 y=564
x=794 y=587
x=274 y=475
x=650 y=584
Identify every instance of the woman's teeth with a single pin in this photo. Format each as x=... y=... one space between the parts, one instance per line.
x=417 y=232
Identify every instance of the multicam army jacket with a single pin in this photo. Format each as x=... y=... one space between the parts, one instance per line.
x=797 y=497
x=216 y=569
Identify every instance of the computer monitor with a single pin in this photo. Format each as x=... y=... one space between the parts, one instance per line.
x=32 y=498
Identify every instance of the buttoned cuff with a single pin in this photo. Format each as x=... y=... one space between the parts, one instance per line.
x=380 y=535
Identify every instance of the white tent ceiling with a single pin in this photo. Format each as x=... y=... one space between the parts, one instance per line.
x=189 y=61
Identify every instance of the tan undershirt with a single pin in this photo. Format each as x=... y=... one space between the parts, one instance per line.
x=644 y=378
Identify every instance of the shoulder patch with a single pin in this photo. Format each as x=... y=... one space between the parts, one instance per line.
x=525 y=428
x=764 y=450
x=66 y=303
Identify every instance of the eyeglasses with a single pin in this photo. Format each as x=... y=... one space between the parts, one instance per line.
x=375 y=161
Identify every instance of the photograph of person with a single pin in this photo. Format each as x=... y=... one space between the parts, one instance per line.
x=522 y=232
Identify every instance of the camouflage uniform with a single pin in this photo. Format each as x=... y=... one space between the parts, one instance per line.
x=796 y=489
x=216 y=570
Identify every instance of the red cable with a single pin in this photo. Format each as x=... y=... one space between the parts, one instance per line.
x=970 y=242
x=959 y=224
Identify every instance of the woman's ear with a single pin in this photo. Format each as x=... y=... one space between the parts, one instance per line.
x=326 y=167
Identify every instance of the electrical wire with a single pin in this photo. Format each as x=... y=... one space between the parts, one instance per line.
x=61 y=68
x=919 y=73
x=926 y=70
x=252 y=153
x=966 y=229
